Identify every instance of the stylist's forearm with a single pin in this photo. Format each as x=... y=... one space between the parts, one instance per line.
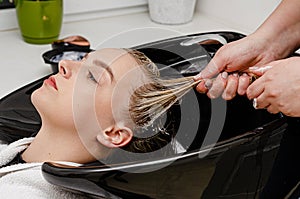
x=282 y=28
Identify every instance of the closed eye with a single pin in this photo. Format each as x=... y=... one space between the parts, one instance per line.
x=91 y=77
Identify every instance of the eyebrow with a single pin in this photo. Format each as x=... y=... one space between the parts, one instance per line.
x=103 y=65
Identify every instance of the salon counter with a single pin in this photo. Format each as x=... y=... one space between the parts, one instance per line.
x=22 y=63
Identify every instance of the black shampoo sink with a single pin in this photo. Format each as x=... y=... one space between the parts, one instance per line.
x=237 y=164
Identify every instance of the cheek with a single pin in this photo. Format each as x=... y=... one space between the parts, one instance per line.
x=103 y=111
x=120 y=102
x=84 y=111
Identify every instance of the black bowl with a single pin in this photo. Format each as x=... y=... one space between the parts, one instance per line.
x=53 y=57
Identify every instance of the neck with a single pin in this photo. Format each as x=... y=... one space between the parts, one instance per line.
x=52 y=144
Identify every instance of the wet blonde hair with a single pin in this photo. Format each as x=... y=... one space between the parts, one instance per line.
x=152 y=100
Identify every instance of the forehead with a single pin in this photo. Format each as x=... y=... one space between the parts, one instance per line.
x=108 y=55
x=119 y=61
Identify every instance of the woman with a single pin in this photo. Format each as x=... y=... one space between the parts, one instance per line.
x=84 y=113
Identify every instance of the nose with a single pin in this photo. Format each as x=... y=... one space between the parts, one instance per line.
x=66 y=68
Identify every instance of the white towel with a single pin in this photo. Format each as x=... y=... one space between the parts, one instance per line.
x=9 y=152
x=25 y=180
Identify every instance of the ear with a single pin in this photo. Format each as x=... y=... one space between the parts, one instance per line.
x=115 y=136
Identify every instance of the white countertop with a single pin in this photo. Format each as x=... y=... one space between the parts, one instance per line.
x=22 y=63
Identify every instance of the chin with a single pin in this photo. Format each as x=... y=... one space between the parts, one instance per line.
x=35 y=98
x=41 y=102
x=42 y=98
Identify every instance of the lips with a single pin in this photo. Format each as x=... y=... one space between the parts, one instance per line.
x=51 y=82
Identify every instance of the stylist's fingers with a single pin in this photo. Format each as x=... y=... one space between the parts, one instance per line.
x=259 y=71
x=243 y=84
x=213 y=68
x=256 y=88
x=272 y=109
x=231 y=87
x=218 y=86
x=203 y=86
x=215 y=65
x=261 y=102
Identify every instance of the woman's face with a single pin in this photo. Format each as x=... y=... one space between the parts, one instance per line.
x=89 y=91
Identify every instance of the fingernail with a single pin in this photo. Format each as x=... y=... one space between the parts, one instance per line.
x=235 y=74
x=265 y=68
x=200 y=91
x=199 y=76
x=224 y=75
x=253 y=68
x=224 y=96
x=208 y=84
x=255 y=103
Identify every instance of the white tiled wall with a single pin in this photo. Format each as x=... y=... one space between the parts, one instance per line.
x=247 y=15
x=88 y=9
x=75 y=10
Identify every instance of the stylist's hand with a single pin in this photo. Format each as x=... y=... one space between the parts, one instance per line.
x=235 y=56
x=278 y=89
